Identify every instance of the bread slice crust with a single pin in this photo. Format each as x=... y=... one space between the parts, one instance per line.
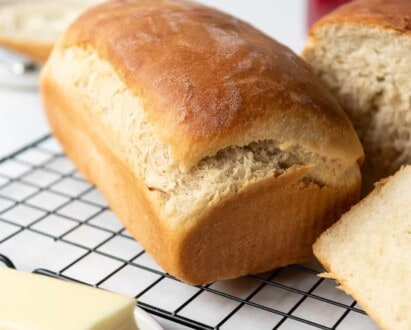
x=384 y=14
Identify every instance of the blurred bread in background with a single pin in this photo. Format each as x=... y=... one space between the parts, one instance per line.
x=32 y=27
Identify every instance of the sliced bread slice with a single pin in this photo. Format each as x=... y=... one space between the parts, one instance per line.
x=369 y=252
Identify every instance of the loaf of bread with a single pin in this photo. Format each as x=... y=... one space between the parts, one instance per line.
x=215 y=145
x=362 y=51
x=31 y=28
x=369 y=252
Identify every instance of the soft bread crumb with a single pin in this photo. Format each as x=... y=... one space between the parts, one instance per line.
x=369 y=71
x=368 y=252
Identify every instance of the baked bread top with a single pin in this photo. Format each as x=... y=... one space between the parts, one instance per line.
x=390 y=14
x=209 y=81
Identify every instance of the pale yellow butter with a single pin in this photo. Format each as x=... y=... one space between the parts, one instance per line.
x=36 y=302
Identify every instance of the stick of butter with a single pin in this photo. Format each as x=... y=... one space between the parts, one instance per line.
x=34 y=302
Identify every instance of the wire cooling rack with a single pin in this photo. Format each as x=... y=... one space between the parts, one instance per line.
x=52 y=221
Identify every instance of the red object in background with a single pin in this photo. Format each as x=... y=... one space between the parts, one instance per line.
x=319 y=8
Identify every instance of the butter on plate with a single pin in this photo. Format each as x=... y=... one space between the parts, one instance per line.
x=29 y=301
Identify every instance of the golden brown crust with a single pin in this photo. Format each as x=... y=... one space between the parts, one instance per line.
x=38 y=52
x=267 y=225
x=389 y=14
x=209 y=81
x=253 y=231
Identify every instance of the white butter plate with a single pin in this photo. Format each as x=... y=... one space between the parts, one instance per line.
x=145 y=321
x=28 y=80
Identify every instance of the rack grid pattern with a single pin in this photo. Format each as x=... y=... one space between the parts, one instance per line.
x=54 y=222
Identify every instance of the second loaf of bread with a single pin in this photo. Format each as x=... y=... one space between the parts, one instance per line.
x=362 y=52
x=215 y=145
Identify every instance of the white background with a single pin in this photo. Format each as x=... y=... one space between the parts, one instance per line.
x=21 y=116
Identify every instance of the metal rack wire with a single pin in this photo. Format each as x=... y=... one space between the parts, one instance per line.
x=54 y=223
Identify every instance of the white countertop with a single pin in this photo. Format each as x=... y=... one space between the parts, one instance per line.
x=21 y=119
x=21 y=116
